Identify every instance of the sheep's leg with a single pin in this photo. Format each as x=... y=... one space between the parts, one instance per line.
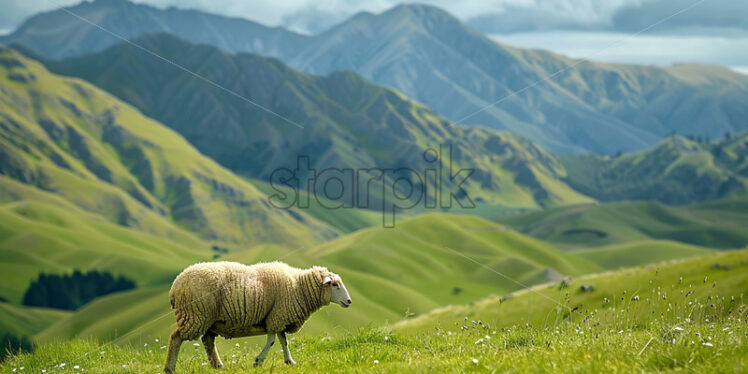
x=286 y=353
x=175 y=341
x=261 y=358
x=209 y=341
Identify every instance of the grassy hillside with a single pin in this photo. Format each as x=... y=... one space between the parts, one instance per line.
x=718 y=224
x=676 y=171
x=338 y=121
x=391 y=273
x=42 y=233
x=344 y=220
x=696 y=326
x=65 y=136
x=675 y=293
x=426 y=253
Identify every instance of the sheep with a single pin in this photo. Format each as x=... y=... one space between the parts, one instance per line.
x=235 y=300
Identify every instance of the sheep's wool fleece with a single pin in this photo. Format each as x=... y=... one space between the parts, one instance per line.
x=237 y=300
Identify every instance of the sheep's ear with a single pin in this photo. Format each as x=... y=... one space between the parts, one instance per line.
x=327 y=281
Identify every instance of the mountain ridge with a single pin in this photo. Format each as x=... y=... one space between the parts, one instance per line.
x=436 y=59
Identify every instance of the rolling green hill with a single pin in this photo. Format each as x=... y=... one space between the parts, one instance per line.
x=718 y=224
x=693 y=288
x=26 y=321
x=676 y=171
x=338 y=121
x=407 y=270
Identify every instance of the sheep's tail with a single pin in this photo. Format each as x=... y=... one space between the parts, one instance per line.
x=171 y=299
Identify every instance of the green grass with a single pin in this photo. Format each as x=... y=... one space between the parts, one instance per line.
x=516 y=350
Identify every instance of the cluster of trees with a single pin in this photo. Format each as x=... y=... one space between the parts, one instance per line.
x=72 y=291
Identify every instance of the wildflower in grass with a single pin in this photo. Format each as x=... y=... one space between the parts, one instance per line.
x=707 y=344
x=376 y=362
x=196 y=344
x=676 y=328
x=475 y=361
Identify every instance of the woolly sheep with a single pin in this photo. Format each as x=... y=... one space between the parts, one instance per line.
x=234 y=300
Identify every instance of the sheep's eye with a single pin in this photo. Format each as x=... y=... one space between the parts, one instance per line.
x=334 y=284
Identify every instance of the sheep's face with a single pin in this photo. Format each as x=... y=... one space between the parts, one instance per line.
x=338 y=292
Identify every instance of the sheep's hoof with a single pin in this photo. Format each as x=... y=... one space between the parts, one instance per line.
x=217 y=366
x=290 y=362
x=258 y=362
x=168 y=370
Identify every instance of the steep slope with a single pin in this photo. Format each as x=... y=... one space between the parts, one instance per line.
x=432 y=57
x=346 y=122
x=58 y=34
x=719 y=224
x=676 y=171
x=390 y=273
x=64 y=136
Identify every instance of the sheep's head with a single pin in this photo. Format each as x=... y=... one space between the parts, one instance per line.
x=338 y=292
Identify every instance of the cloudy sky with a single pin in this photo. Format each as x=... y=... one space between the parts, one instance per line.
x=710 y=31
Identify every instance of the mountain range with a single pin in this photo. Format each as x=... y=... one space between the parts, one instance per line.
x=339 y=121
x=563 y=104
